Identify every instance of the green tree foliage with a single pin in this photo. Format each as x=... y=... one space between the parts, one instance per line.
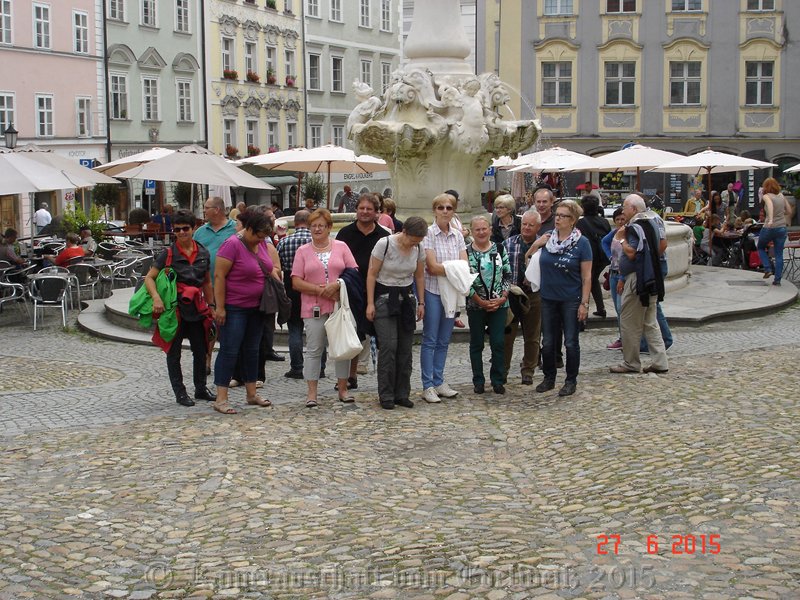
x=314 y=187
x=75 y=218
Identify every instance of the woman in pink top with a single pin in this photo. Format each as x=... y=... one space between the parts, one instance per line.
x=238 y=285
x=315 y=271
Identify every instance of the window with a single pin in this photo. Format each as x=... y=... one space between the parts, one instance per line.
x=336 y=74
x=312 y=8
x=6 y=111
x=386 y=15
x=251 y=133
x=315 y=132
x=684 y=82
x=44 y=116
x=556 y=83
x=182 y=16
x=185 y=104
x=229 y=132
x=270 y=57
x=386 y=75
x=250 y=57
x=337 y=135
x=366 y=71
x=557 y=7
x=119 y=96
x=41 y=26
x=80 y=24
x=116 y=10
x=227 y=54
x=620 y=83
x=314 y=82
x=758 y=83
x=149 y=13
x=5 y=22
x=687 y=5
x=620 y=6
x=364 y=20
x=760 y=4
x=150 y=110
x=83 y=117
x=288 y=56
x=336 y=10
x=291 y=134
x=272 y=134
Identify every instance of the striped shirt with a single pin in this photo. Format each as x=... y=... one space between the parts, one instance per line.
x=446 y=246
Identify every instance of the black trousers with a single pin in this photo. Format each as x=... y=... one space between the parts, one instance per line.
x=196 y=334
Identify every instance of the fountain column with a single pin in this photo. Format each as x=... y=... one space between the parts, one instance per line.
x=438 y=125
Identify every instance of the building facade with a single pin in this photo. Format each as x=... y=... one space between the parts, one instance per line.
x=254 y=56
x=52 y=90
x=347 y=41
x=680 y=75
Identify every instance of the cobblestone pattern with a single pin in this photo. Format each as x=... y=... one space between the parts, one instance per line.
x=497 y=497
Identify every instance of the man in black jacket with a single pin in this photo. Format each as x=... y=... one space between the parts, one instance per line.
x=642 y=288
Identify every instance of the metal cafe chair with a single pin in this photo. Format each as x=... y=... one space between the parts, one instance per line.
x=49 y=291
x=88 y=277
x=14 y=293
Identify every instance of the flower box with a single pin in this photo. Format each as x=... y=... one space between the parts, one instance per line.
x=253 y=77
x=231 y=151
x=290 y=80
x=253 y=151
x=230 y=74
x=271 y=4
x=272 y=149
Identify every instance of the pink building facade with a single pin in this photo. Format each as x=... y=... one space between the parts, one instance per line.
x=52 y=87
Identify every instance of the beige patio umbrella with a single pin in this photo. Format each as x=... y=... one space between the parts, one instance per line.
x=82 y=176
x=324 y=159
x=135 y=160
x=550 y=160
x=633 y=157
x=794 y=169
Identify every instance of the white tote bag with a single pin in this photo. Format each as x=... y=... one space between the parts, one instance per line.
x=340 y=329
x=532 y=273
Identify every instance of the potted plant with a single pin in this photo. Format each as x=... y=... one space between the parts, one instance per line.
x=230 y=74
x=272 y=149
x=290 y=80
x=271 y=4
x=253 y=77
x=231 y=150
x=271 y=79
x=253 y=150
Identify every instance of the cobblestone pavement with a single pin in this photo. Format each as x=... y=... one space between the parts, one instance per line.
x=110 y=489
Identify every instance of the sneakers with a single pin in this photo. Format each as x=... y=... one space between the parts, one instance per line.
x=617 y=345
x=430 y=395
x=445 y=391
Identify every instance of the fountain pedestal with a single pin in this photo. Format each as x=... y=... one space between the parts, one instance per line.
x=438 y=125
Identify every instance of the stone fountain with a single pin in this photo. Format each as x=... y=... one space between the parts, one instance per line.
x=438 y=125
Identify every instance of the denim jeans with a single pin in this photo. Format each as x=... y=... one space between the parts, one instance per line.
x=557 y=317
x=776 y=235
x=613 y=279
x=241 y=333
x=479 y=320
x=436 y=332
x=295 y=344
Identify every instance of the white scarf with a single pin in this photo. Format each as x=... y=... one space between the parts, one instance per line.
x=556 y=246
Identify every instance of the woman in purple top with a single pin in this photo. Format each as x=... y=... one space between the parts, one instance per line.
x=238 y=284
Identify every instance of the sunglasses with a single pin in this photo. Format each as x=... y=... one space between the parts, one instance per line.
x=447 y=208
x=179 y=229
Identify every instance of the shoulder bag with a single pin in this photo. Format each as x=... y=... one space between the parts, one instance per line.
x=340 y=329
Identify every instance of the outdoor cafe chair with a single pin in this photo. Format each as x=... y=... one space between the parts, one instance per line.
x=107 y=250
x=88 y=276
x=49 y=291
x=15 y=293
x=123 y=272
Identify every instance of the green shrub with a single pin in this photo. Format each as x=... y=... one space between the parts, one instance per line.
x=75 y=218
x=314 y=188
x=138 y=216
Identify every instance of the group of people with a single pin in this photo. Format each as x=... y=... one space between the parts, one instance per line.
x=529 y=275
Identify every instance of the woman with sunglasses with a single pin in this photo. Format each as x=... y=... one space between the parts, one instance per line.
x=566 y=280
x=190 y=262
x=443 y=242
x=241 y=267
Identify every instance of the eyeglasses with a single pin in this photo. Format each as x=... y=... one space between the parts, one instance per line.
x=180 y=229
x=446 y=208
x=563 y=216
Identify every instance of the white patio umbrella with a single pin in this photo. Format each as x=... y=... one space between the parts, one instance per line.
x=793 y=169
x=80 y=175
x=633 y=157
x=552 y=159
x=194 y=164
x=135 y=160
x=711 y=161
x=324 y=159
x=503 y=162
x=19 y=174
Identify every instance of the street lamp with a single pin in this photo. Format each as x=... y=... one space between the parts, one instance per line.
x=11 y=136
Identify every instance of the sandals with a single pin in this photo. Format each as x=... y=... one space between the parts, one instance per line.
x=311 y=403
x=258 y=401
x=347 y=399
x=224 y=408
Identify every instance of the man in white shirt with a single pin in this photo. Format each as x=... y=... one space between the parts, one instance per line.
x=42 y=217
